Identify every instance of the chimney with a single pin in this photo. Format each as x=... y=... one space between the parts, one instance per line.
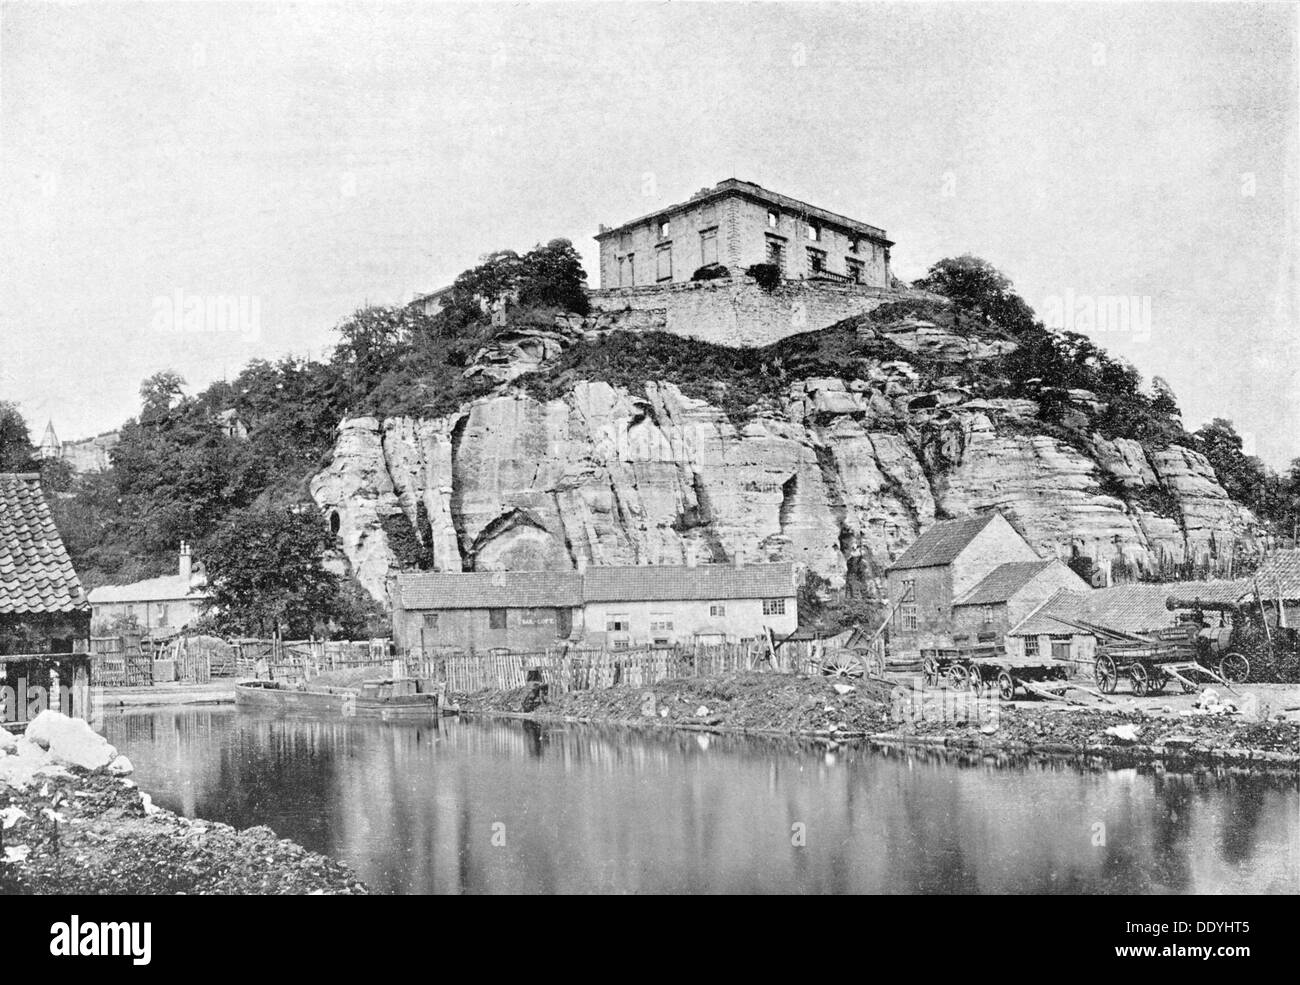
x=582 y=564
x=690 y=555
x=739 y=557
x=186 y=569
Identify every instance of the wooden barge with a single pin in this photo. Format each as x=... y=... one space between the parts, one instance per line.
x=382 y=700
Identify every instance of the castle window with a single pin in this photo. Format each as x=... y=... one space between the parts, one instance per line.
x=855 y=270
x=816 y=260
x=814 y=232
x=776 y=252
x=664 y=263
x=773 y=219
x=709 y=246
x=663 y=228
x=854 y=244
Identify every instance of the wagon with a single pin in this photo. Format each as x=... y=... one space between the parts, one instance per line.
x=1152 y=661
x=1042 y=676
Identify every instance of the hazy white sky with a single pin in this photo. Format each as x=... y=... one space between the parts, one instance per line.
x=307 y=159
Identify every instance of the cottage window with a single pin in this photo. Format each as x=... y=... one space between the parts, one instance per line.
x=855 y=270
x=664 y=263
x=1031 y=646
x=717 y=610
x=709 y=246
x=816 y=260
x=773 y=607
x=618 y=624
x=988 y=614
x=496 y=618
x=773 y=219
x=1061 y=647
x=619 y=644
x=660 y=622
x=907 y=617
x=431 y=620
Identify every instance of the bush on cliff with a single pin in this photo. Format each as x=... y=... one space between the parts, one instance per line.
x=711 y=271
x=768 y=275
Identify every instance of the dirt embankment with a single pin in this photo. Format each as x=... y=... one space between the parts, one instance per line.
x=90 y=832
x=72 y=823
x=896 y=713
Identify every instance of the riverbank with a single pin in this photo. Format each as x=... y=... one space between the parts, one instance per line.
x=894 y=713
x=71 y=829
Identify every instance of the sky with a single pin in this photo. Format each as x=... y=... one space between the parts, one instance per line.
x=287 y=164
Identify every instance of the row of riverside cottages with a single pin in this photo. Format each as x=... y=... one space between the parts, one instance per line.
x=617 y=607
x=976 y=580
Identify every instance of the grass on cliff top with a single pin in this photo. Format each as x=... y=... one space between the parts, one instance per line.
x=733 y=379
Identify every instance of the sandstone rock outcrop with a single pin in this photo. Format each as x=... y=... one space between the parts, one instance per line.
x=842 y=471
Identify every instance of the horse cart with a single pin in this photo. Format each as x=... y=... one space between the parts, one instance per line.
x=1184 y=654
x=988 y=666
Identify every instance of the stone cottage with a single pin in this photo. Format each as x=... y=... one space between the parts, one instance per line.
x=616 y=606
x=965 y=581
x=160 y=606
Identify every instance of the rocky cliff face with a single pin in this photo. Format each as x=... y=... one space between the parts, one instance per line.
x=839 y=473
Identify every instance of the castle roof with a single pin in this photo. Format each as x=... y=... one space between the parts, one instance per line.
x=748 y=189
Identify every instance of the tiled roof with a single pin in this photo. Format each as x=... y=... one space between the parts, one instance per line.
x=490 y=589
x=1219 y=592
x=942 y=542
x=35 y=571
x=168 y=588
x=1003 y=582
x=683 y=583
x=1279 y=574
x=648 y=583
x=1129 y=608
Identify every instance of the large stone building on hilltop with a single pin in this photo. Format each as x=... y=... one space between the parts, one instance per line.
x=738 y=224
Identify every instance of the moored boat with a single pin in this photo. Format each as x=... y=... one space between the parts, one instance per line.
x=386 y=700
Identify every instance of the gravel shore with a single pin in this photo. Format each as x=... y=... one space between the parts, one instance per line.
x=893 y=712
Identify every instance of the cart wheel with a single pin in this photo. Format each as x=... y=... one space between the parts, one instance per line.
x=1106 y=674
x=1234 y=668
x=1188 y=685
x=930 y=671
x=843 y=663
x=1006 y=686
x=876 y=667
x=1141 y=680
x=1158 y=681
x=958 y=675
x=976 y=682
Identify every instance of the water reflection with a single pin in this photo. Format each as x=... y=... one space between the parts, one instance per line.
x=523 y=807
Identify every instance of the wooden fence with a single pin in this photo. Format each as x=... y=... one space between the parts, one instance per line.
x=119 y=661
x=296 y=660
x=589 y=669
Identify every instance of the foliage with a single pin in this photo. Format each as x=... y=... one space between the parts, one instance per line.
x=15 y=442
x=710 y=271
x=977 y=286
x=266 y=573
x=768 y=275
x=410 y=551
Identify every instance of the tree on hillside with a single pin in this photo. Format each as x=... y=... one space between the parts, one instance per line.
x=266 y=573
x=1242 y=476
x=978 y=286
x=158 y=394
x=16 y=452
x=553 y=278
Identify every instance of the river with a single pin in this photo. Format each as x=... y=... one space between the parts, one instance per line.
x=508 y=806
